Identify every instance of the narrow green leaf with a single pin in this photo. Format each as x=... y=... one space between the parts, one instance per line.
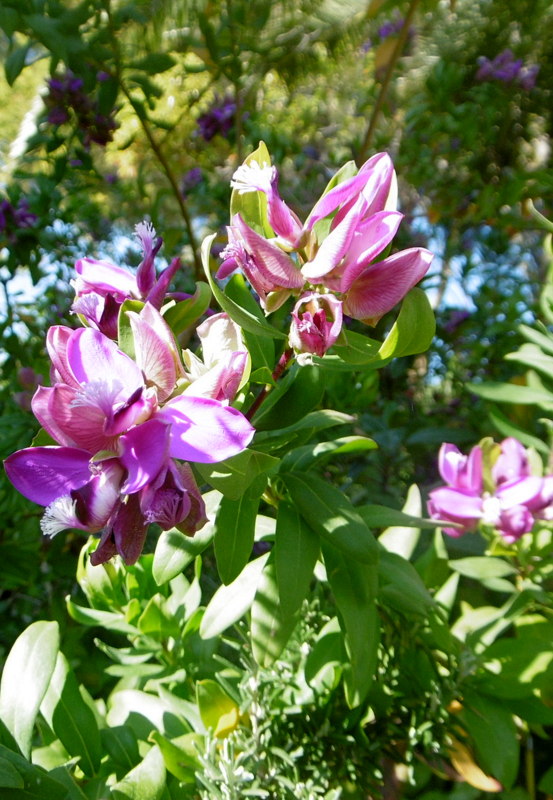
x=270 y=627
x=71 y=719
x=185 y=313
x=175 y=551
x=492 y=728
x=330 y=514
x=400 y=585
x=326 y=658
x=103 y=619
x=357 y=350
x=511 y=393
x=25 y=679
x=296 y=549
x=145 y=782
x=234 y=534
x=381 y=516
x=37 y=783
x=301 y=458
x=354 y=586
x=230 y=603
x=9 y=776
x=400 y=538
x=181 y=755
x=218 y=711
x=125 y=336
x=299 y=396
x=15 y=62
x=233 y=476
x=413 y=330
x=121 y=744
x=154 y=63
x=482 y=567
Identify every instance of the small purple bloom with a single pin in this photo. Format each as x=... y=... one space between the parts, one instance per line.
x=218 y=119
x=316 y=323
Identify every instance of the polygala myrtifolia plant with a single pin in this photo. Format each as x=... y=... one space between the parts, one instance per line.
x=224 y=449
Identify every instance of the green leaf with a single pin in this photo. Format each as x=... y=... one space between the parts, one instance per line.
x=493 y=731
x=234 y=534
x=104 y=619
x=121 y=744
x=71 y=719
x=9 y=776
x=270 y=627
x=218 y=711
x=507 y=428
x=354 y=586
x=185 y=313
x=291 y=401
x=330 y=514
x=358 y=350
x=413 y=330
x=511 y=393
x=37 y=784
x=230 y=603
x=400 y=585
x=403 y=539
x=154 y=63
x=531 y=356
x=175 y=551
x=301 y=458
x=144 y=712
x=145 y=782
x=246 y=320
x=252 y=206
x=125 y=336
x=382 y=516
x=233 y=476
x=314 y=421
x=326 y=658
x=296 y=552
x=15 y=62
x=181 y=755
x=25 y=679
x=482 y=567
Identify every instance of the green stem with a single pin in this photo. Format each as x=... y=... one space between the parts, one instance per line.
x=362 y=155
x=283 y=363
x=156 y=149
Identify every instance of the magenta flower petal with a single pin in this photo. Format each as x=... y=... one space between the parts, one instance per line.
x=316 y=323
x=512 y=462
x=514 y=522
x=57 y=339
x=94 y=357
x=43 y=474
x=275 y=266
x=520 y=492
x=103 y=277
x=385 y=283
x=144 y=451
x=334 y=247
x=460 y=471
x=155 y=350
x=370 y=239
x=205 y=430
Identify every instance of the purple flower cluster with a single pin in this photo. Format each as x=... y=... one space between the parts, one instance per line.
x=493 y=487
x=66 y=98
x=13 y=218
x=125 y=428
x=218 y=119
x=391 y=27
x=507 y=69
x=191 y=179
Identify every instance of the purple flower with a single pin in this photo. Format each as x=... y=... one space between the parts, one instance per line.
x=67 y=99
x=316 y=323
x=218 y=119
x=507 y=69
x=15 y=218
x=101 y=288
x=360 y=217
x=119 y=429
x=510 y=505
x=191 y=179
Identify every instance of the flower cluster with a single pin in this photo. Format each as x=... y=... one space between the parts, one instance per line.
x=66 y=97
x=13 y=218
x=335 y=261
x=218 y=119
x=507 y=69
x=122 y=426
x=492 y=486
